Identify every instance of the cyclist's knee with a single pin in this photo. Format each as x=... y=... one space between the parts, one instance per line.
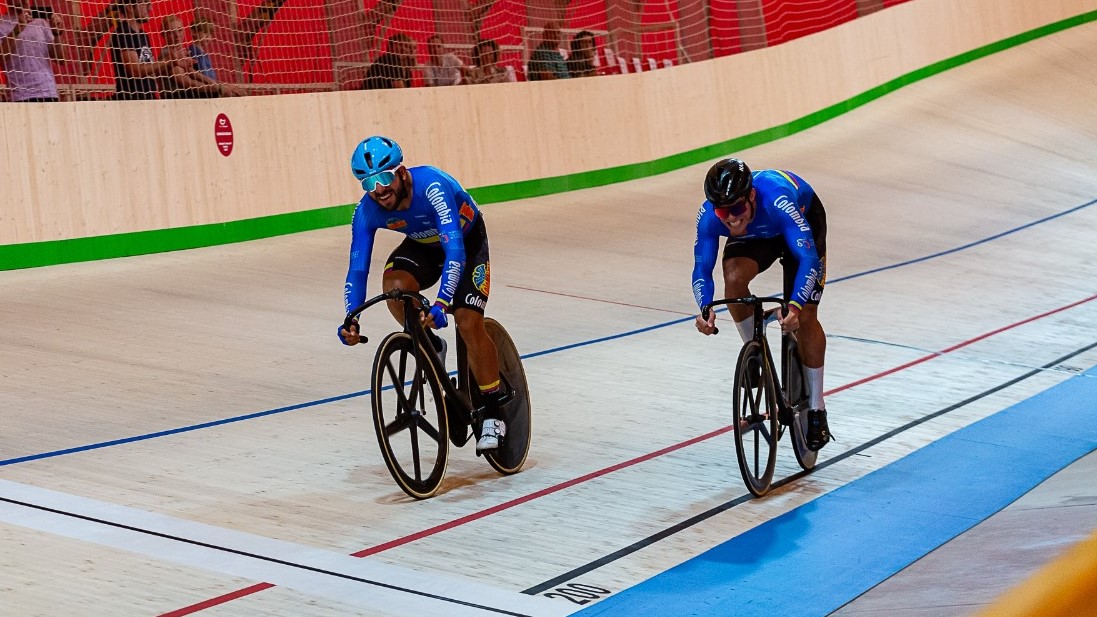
x=809 y=315
x=468 y=321
x=738 y=273
x=399 y=279
x=737 y=283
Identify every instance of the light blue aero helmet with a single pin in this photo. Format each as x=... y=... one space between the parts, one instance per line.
x=375 y=160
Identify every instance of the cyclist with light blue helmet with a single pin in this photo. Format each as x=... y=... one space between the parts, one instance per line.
x=446 y=240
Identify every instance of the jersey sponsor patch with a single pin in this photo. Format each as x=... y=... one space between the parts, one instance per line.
x=395 y=223
x=428 y=236
x=475 y=300
x=481 y=277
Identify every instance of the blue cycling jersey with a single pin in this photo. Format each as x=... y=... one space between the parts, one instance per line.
x=441 y=211
x=781 y=204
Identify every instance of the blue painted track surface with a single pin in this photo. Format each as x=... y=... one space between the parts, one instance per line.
x=820 y=556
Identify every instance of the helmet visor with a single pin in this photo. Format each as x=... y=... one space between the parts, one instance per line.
x=381 y=178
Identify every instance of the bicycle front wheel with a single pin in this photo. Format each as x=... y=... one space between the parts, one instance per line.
x=754 y=418
x=409 y=414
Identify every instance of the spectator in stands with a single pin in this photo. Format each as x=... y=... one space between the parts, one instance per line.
x=135 y=71
x=28 y=39
x=546 y=62
x=443 y=69
x=187 y=83
x=201 y=33
x=485 y=68
x=581 y=55
x=392 y=69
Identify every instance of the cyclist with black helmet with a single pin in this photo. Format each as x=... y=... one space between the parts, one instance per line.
x=767 y=215
x=446 y=239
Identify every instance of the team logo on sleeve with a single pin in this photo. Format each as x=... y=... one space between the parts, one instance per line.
x=466 y=211
x=481 y=277
x=395 y=223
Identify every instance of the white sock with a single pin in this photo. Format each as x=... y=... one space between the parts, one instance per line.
x=815 y=387
x=746 y=328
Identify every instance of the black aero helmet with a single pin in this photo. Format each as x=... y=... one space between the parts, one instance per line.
x=727 y=181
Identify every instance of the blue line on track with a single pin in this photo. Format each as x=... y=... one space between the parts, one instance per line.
x=195 y=427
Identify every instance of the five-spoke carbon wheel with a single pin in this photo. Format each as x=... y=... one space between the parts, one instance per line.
x=409 y=413
x=755 y=418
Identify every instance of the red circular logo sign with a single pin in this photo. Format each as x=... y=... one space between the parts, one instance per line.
x=222 y=132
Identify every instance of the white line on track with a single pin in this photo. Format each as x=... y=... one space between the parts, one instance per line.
x=350 y=580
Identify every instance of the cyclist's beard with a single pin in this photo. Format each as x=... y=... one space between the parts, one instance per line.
x=398 y=196
x=401 y=194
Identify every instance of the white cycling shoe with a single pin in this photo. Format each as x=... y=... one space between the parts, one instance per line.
x=490 y=434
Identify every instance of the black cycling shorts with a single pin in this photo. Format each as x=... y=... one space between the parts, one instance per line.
x=424 y=262
x=765 y=251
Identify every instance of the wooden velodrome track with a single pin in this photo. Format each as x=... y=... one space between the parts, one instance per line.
x=183 y=434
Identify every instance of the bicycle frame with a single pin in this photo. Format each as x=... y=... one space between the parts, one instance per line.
x=757 y=303
x=414 y=305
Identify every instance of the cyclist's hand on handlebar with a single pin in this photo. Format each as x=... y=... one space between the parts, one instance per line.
x=789 y=319
x=352 y=336
x=436 y=317
x=707 y=326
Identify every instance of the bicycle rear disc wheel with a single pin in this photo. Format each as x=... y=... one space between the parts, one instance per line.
x=796 y=394
x=409 y=415
x=754 y=417
x=512 y=451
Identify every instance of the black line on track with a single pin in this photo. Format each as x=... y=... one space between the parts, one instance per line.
x=690 y=522
x=275 y=560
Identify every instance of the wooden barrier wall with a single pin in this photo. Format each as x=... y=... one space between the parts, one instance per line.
x=76 y=170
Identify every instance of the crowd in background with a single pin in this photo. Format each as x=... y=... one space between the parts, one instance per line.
x=394 y=68
x=31 y=37
x=104 y=49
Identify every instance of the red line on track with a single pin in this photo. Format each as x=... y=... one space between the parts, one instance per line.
x=419 y=535
x=228 y=597
x=959 y=345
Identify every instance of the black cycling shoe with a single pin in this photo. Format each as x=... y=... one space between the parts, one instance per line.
x=818 y=431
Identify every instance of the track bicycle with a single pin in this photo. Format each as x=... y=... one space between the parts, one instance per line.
x=765 y=403
x=418 y=410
